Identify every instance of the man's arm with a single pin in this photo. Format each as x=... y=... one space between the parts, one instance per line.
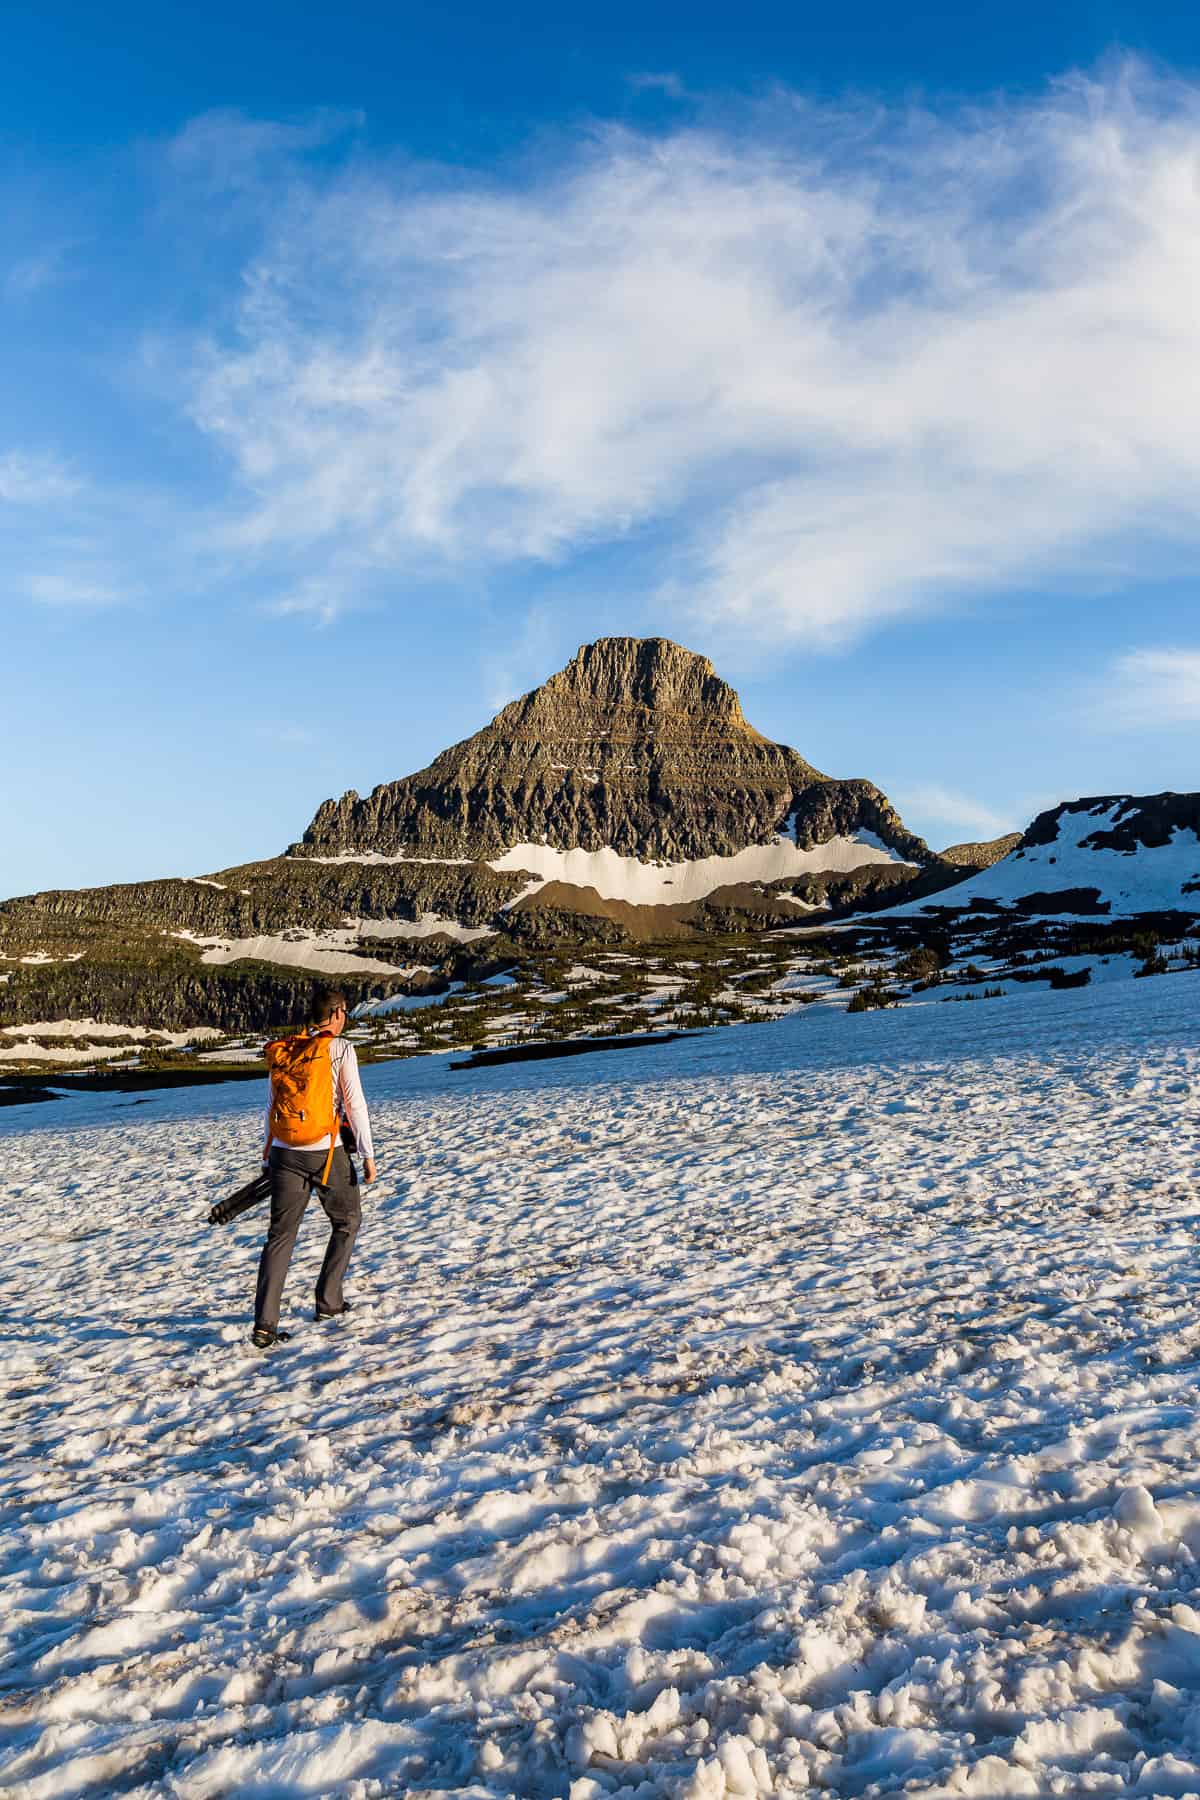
x=353 y=1105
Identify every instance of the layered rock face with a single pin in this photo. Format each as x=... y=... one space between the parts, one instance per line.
x=637 y=746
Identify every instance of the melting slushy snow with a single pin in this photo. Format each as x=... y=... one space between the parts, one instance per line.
x=811 y=1407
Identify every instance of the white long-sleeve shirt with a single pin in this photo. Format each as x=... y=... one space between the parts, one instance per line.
x=348 y=1097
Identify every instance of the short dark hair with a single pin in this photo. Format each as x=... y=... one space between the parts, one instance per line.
x=325 y=1002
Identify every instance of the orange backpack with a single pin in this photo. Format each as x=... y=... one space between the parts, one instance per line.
x=303 y=1107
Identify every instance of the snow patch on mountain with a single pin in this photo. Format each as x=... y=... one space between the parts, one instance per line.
x=428 y=925
x=332 y=952
x=378 y=856
x=1145 y=879
x=616 y=877
x=40 y=957
x=327 y=953
x=405 y=1003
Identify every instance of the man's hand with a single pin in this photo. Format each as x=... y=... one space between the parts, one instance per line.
x=368 y=1170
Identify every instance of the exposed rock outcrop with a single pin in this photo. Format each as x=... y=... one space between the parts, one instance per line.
x=980 y=855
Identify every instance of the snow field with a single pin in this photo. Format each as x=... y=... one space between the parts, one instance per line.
x=805 y=1408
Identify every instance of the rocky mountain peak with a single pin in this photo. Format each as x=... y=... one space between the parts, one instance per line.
x=636 y=746
x=631 y=688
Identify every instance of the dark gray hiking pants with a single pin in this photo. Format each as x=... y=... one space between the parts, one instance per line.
x=295 y=1174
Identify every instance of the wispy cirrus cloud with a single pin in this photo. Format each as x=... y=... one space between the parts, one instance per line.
x=956 y=811
x=850 y=364
x=28 y=479
x=30 y=275
x=49 y=560
x=320 y=599
x=225 y=151
x=71 y=542
x=1151 y=688
x=80 y=590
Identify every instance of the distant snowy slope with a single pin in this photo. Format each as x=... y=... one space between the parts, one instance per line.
x=811 y=1408
x=1120 y=856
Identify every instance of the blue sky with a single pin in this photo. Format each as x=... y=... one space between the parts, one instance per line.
x=359 y=364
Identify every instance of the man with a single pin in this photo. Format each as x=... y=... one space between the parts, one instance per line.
x=315 y=1087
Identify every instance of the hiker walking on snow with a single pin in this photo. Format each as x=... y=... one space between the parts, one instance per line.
x=315 y=1089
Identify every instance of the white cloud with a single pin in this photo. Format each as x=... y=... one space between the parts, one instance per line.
x=30 y=275
x=83 y=591
x=322 y=599
x=1152 y=688
x=27 y=480
x=228 y=151
x=944 y=806
x=847 y=365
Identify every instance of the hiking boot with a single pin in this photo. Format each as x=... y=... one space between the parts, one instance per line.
x=263 y=1336
x=323 y=1312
